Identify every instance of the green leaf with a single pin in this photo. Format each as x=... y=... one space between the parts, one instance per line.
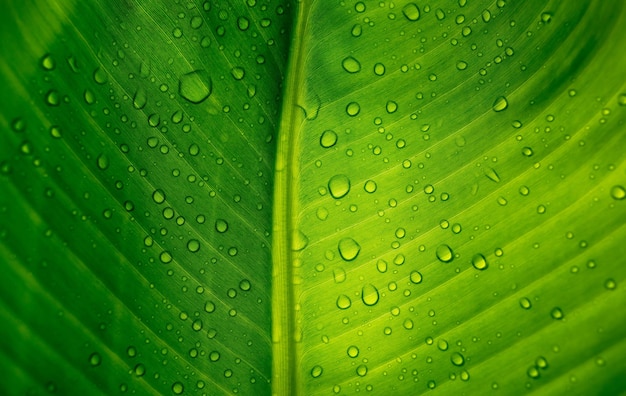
x=305 y=197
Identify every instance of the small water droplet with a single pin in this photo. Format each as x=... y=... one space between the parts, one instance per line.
x=411 y=12
x=339 y=186
x=369 y=295
x=381 y=266
x=328 y=138
x=461 y=65
x=353 y=109
x=140 y=98
x=351 y=65
x=525 y=303
x=317 y=371
x=348 y=249
x=361 y=371
x=195 y=87
x=48 y=63
x=479 y=262
x=618 y=192
x=527 y=151
x=100 y=76
x=193 y=245
x=610 y=284
x=416 y=277
x=444 y=253
x=53 y=98
x=546 y=17
x=533 y=372
x=95 y=359
x=343 y=302
x=221 y=226
x=102 y=162
x=500 y=104
x=457 y=359
x=238 y=73
x=557 y=313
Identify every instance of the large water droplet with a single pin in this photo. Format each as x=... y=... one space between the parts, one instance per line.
x=444 y=253
x=339 y=186
x=193 y=245
x=351 y=65
x=369 y=295
x=348 y=249
x=411 y=12
x=618 y=193
x=500 y=104
x=353 y=109
x=196 y=86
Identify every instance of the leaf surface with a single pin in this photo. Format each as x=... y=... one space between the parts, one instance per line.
x=313 y=198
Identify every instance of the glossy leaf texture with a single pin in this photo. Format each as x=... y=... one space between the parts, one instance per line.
x=257 y=197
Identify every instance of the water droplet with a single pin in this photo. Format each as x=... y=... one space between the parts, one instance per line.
x=140 y=98
x=316 y=371
x=139 y=370
x=500 y=104
x=411 y=12
x=610 y=284
x=348 y=249
x=221 y=226
x=525 y=303
x=618 y=192
x=353 y=109
x=193 y=245
x=48 y=63
x=533 y=372
x=328 y=138
x=479 y=262
x=527 y=151
x=195 y=87
x=381 y=266
x=492 y=175
x=359 y=7
x=102 y=162
x=178 y=388
x=343 y=302
x=95 y=359
x=391 y=107
x=369 y=295
x=351 y=65
x=339 y=186
x=461 y=65
x=541 y=362
x=100 y=76
x=165 y=257
x=298 y=241
x=557 y=313
x=339 y=275
x=457 y=359
x=408 y=324
x=546 y=17
x=361 y=371
x=415 y=277
x=238 y=73
x=53 y=98
x=621 y=99
x=353 y=351
x=214 y=356
x=370 y=186
x=444 y=253
x=486 y=15
x=379 y=69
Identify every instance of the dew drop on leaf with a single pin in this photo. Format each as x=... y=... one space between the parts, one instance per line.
x=527 y=152
x=353 y=109
x=298 y=241
x=369 y=295
x=492 y=175
x=339 y=186
x=95 y=359
x=500 y=104
x=245 y=285
x=370 y=186
x=415 y=277
x=557 y=313
x=343 y=302
x=52 y=98
x=221 y=226
x=618 y=193
x=457 y=359
x=328 y=138
x=316 y=371
x=165 y=257
x=178 y=388
x=238 y=73
x=444 y=253
x=546 y=17
x=140 y=98
x=102 y=162
x=408 y=324
x=525 y=303
x=541 y=362
x=339 y=275
x=379 y=69
x=391 y=107
x=411 y=12
x=533 y=372
x=621 y=99
x=486 y=15
x=196 y=86
x=381 y=266
x=353 y=351
x=351 y=65
x=348 y=249
x=610 y=284
x=214 y=356
x=193 y=245
x=479 y=262
x=48 y=63
x=361 y=371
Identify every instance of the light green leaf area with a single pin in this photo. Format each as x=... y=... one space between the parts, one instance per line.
x=300 y=197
